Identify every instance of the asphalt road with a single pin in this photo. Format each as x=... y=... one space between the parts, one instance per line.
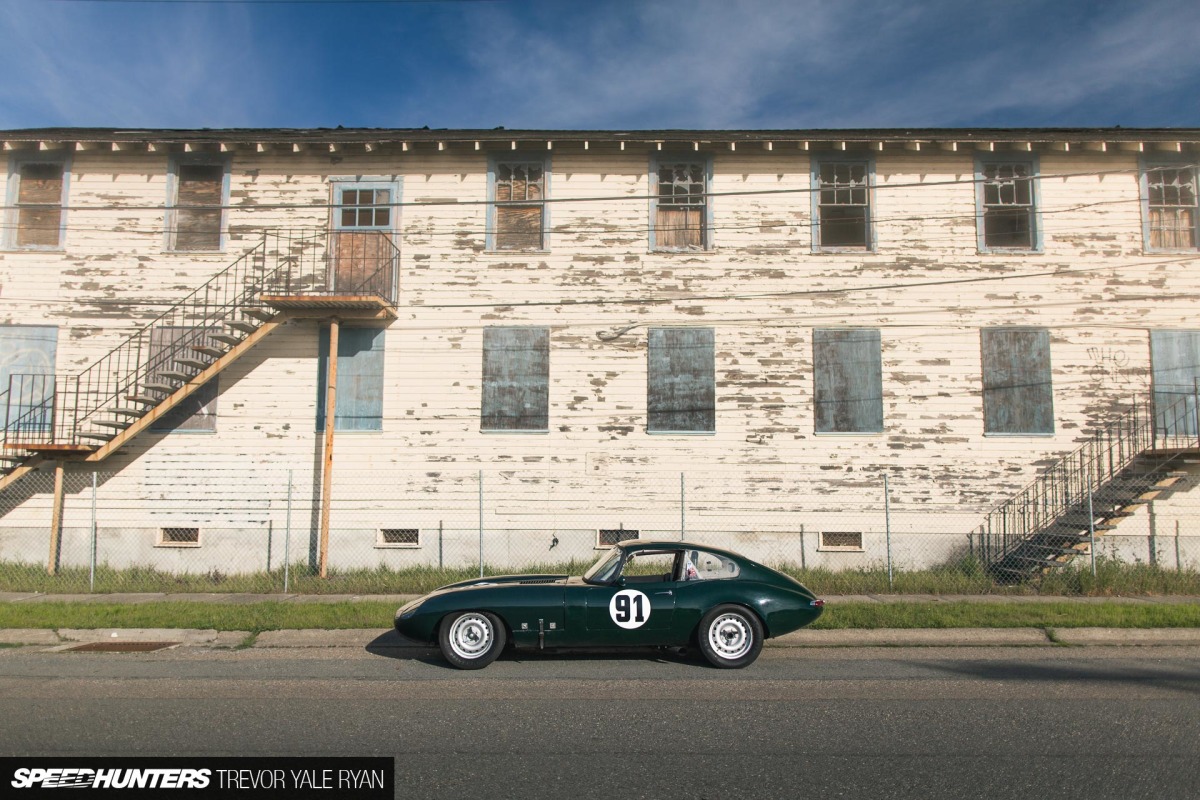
x=1098 y=722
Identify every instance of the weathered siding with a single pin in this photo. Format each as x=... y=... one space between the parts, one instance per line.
x=760 y=288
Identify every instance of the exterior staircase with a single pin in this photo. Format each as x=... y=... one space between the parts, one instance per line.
x=91 y=414
x=1134 y=460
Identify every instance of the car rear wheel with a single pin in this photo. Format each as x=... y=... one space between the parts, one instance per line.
x=471 y=639
x=730 y=637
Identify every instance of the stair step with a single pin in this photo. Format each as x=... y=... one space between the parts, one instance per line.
x=1066 y=551
x=1044 y=562
x=175 y=376
x=113 y=423
x=242 y=325
x=128 y=412
x=208 y=350
x=226 y=338
x=155 y=386
x=194 y=363
x=261 y=314
x=103 y=437
x=150 y=401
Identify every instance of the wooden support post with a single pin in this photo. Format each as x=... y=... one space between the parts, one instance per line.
x=56 y=518
x=330 y=425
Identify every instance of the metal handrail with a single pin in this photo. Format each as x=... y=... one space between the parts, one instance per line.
x=288 y=262
x=1064 y=487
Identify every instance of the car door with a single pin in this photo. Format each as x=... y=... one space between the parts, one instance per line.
x=638 y=608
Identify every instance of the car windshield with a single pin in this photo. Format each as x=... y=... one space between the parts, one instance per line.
x=604 y=570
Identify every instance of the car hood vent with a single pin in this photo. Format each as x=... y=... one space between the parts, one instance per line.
x=541 y=580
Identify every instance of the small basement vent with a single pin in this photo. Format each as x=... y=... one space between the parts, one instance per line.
x=610 y=536
x=179 y=537
x=841 y=540
x=399 y=537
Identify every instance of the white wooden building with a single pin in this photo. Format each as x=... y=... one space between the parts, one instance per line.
x=576 y=318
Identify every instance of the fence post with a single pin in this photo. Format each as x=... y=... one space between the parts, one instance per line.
x=440 y=524
x=682 y=510
x=287 y=536
x=887 y=521
x=1178 y=562
x=481 y=523
x=92 y=571
x=1091 y=525
x=803 y=562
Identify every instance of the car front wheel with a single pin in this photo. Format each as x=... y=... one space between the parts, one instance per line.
x=730 y=637
x=471 y=639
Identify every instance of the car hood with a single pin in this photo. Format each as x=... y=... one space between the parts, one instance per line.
x=503 y=580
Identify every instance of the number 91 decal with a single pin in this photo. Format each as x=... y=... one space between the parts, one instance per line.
x=629 y=608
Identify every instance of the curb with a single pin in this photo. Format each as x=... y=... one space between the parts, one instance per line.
x=371 y=639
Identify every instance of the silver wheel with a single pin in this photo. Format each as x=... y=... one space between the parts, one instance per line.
x=471 y=636
x=730 y=636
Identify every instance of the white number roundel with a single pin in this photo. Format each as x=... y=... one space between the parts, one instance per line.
x=629 y=608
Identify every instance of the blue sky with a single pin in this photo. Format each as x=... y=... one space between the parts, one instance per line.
x=600 y=63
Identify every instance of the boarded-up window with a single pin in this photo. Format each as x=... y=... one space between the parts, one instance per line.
x=519 y=192
x=844 y=204
x=359 y=379
x=1007 y=206
x=39 y=203
x=27 y=354
x=516 y=379
x=199 y=192
x=1018 y=395
x=681 y=390
x=847 y=373
x=1171 y=207
x=1175 y=359
x=681 y=207
x=169 y=344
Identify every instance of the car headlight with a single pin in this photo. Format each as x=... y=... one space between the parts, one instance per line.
x=409 y=610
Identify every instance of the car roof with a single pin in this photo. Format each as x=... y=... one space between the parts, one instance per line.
x=674 y=545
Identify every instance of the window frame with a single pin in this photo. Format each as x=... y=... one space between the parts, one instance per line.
x=1149 y=164
x=517 y=157
x=381 y=542
x=171 y=233
x=544 y=388
x=658 y=160
x=13 y=193
x=650 y=374
x=983 y=385
x=636 y=534
x=1031 y=162
x=340 y=183
x=822 y=547
x=160 y=539
x=878 y=365
x=815 y=164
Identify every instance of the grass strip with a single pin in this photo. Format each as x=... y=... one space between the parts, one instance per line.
x=258 y=617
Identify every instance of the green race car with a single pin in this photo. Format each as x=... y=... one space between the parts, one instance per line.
x=640 y=593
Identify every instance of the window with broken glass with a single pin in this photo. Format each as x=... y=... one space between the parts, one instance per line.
x=843 y=205
x=1007 y=207
x=1171 y=207
x=519 y=192
x=681 y=206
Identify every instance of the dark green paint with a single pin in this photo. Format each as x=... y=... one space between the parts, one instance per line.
x=562 y=611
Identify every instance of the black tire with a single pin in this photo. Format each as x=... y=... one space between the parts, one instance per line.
x=730 y=637
x=471 y=639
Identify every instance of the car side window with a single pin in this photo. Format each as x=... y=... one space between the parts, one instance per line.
x=649 y=567
x=701 y=565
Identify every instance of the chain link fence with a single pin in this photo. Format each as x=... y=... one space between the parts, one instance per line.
x=265 y=531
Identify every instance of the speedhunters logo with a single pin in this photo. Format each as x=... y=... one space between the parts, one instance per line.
x=201 y=776
x=69 y=778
